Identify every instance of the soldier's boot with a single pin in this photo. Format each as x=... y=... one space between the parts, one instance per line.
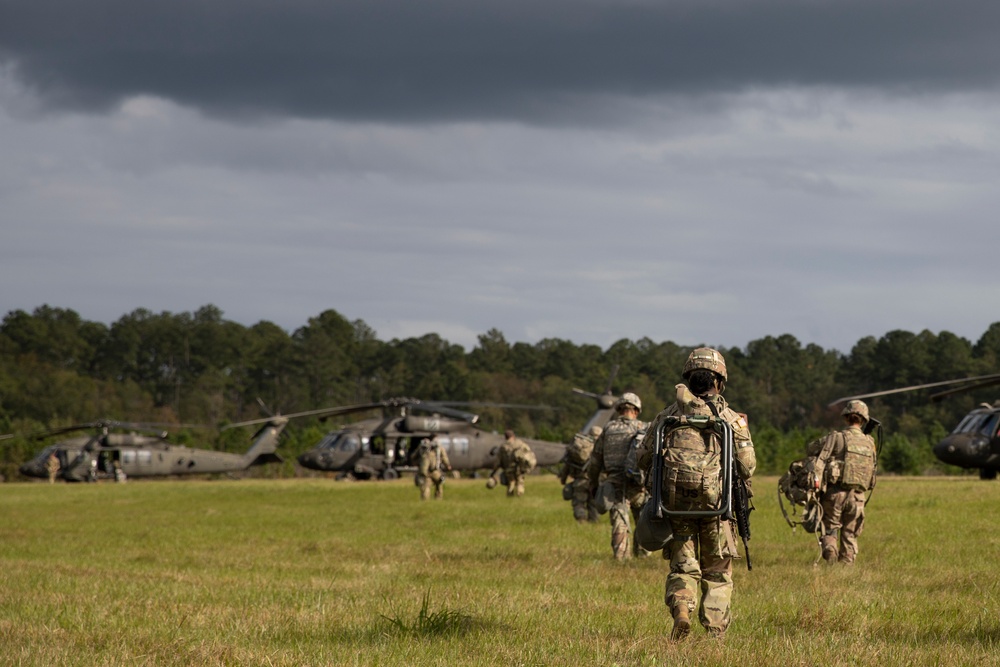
x=830 y=556
x=619 y=545
x=682 y=621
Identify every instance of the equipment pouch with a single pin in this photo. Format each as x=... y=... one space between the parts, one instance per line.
x=567 y=491
x=653 y=534
x=606 y=497
x=834 y=471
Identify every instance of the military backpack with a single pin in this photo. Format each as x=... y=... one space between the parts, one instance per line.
x=692 y=467
x=580 y=449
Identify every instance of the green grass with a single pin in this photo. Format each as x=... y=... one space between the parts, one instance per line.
x=313 y=572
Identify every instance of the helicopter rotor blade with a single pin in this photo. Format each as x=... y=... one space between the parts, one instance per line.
x=986 y=380
x=940 y=395
x=324 y=412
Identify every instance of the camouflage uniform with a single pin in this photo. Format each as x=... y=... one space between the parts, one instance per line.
x=433 y=464
x=845 y=469
x=610 y=451
x=701 y=551
x=516 y=460
x=573 y=469
x=52 y=467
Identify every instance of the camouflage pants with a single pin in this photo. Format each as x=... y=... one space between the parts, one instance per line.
x=843 y=513
x=427 y=482
x=583 y=506
x=630 y=501
x=701 y=566
x=515 y=482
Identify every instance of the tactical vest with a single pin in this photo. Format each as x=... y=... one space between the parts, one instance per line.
x=859 y=460
x=618 y=435
x=692 y=470
x=430 y=459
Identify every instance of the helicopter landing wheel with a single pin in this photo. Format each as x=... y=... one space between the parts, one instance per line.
x=390 y=474
x=987 y=473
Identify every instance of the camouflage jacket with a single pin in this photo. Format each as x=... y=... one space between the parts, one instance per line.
x=514 y=455
x=433 y=458
x=847 y=457
x=611 y=448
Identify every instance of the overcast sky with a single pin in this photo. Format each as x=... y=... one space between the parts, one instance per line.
x=703 y=171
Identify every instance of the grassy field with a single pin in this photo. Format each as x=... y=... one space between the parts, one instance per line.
x=315 y=572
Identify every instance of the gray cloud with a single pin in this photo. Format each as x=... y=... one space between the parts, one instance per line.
x=551 y=61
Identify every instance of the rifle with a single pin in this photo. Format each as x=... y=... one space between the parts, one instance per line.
x=741 y=514
x=739 y=508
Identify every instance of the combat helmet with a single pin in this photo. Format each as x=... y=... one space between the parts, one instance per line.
x=628 y=398
x=856 y=407
x=707 y=358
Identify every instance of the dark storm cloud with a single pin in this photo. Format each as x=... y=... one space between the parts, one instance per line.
x=516 y=59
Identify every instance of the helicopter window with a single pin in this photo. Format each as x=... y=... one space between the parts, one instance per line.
x=989 y=426
x=329 y=441
x=459 y=445
x=969 y=423
x=348 y=442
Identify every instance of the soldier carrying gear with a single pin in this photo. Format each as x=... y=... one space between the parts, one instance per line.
x=845 y=469
x=433 y=464
x=610 y=453
x=516 y=460
x=701 y=550
x=573 y=475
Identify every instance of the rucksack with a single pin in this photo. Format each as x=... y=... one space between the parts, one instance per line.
x=580 y=449
x=692 y=468
x=798 y=486
x=525 y=459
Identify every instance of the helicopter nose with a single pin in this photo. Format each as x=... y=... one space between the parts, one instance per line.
x=29 y=470
x=309 y=460
x=954 y=449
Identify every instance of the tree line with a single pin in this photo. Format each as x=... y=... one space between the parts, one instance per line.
x=57 y=369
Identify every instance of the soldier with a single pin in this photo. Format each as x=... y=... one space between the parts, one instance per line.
x=433 y=464
x=702 y=549
x=52 y=467
x=845 y=470
x=575 y=465
x=517 y=460
x=610 y=451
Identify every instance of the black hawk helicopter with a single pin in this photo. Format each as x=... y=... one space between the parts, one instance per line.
x=386 y=446
x=115 y=446
x=383 y=447
x=975 y=442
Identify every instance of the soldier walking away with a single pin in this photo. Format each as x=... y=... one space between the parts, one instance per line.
x=52 y=467
x=516 y=460
x=573 y=475
x=433 y=464
x=610 y=452
x=701 y=551
x=845 y=470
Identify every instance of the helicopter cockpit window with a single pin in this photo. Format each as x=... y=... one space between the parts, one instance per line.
x=328 y=441
x=348 y=442
x=989 y=427
x=970 y=423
